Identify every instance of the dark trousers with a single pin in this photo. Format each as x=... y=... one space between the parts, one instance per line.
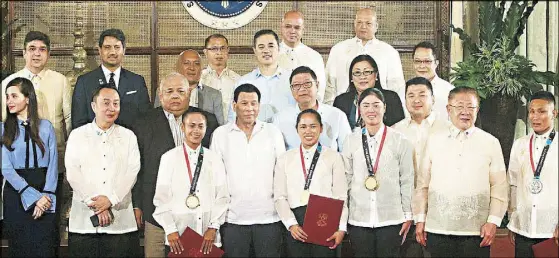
x=456 y=246
x=103 y=245
x=375 y=242
x=411 y=248
x=523 y=245
x=296 y=248
x=264 y=240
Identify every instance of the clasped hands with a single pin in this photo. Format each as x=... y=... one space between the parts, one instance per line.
x=41 y=206
x=298 y=234
x=487 y=232
x=100 y=205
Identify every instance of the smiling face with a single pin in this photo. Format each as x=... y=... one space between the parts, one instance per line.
x=194 y=128
x=111 y=52
x=309 y=130
x=36 y=55
x=419 y=100
x=15 y=100
x=363 y=76
x=266 y=49
x=372 y=110
x=462 y=110
x=424 y=63
x=541 y=115
x=106 y=106
x=301 y=93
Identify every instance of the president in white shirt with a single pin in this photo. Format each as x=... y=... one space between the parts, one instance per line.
x=102 y=161
x=249 y=149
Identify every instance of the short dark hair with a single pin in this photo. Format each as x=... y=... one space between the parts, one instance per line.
x=419 y=81
x=36 y=35
x=308 y=111
x=248 y=88
x=371 y=91
x=300 y=70
x=215 y=36
x=264 y=32
x=191 y=112
x=425 y=44
x=101 y=87
x=544 y=95
x=463 y=89
x=115 y=33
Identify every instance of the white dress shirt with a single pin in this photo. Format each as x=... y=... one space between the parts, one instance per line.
x=341 y=55
x=390 y=204
x=302 y=55
x=335 y=126
x=194 y=95
x=533 y=215
x=461 y=183
x=249 y=165
x=289 y=181
x=102 y=163
x=173 y=187
x=274 y=90
x=224 y=83
x=107 y=74
x=441 y=89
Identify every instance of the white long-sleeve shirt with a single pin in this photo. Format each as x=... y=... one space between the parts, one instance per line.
x=341 y=55
x=249 y=165
x=102 y=163
x=533 y=215
x=173 y=187
x=328 y=180
x=441 y=89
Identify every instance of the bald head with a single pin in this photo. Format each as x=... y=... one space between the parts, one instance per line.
x=292 y=28
x=365 y=24
x=174 y=94
x=189 y=64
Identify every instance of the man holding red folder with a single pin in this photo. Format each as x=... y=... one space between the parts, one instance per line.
x=533 y=179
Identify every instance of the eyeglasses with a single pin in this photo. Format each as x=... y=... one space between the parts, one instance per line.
x=218 y=49
x=365 y=73
x=306 y=85
x=462 y=108
x=425 y=62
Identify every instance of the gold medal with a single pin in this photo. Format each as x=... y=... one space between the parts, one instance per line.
x=192 y=201
x=305 y=197
x=371 y=183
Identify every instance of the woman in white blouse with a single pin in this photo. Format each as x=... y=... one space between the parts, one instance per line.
x=295 y=179
x=380 y=186
x=190 y=196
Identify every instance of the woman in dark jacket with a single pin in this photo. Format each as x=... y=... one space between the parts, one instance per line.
x=363 y=72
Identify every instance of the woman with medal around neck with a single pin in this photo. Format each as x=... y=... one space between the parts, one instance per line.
x=191 y=189
x=299 y=172
x=533 y=178
x=379 y=171
x=30 y=168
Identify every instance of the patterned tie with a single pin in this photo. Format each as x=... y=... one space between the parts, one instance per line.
x=112 y=81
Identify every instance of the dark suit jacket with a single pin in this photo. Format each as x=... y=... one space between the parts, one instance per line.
x=394 y=109
x=134 y=98
x=154 y=139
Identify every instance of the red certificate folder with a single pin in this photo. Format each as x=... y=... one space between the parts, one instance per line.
x=192 y=242
x=547 y=248
x=322 y=219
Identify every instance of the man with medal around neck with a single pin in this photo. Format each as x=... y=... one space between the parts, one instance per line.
x=533 y=208
x=461 y=192
x=191 y=189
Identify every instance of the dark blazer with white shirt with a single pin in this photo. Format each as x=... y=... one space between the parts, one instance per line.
x=134 y=97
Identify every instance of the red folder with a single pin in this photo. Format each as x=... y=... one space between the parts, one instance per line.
x=322 y=219
x=192 y=242
x=547 y=248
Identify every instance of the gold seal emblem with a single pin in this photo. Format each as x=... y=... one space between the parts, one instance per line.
x=371 y=183
x=192 y=201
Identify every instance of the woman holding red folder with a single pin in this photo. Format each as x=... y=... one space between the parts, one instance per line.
x=380 y=172
x=299 y=172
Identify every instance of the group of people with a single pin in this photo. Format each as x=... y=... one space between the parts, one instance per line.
x=235 y=158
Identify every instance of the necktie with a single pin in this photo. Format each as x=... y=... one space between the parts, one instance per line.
x=112 y=80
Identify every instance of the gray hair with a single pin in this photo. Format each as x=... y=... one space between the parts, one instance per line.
x=172 y=75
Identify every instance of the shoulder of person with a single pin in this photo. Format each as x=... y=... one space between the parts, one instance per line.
x=46 y=123
x=272 y=128
x=125 y=132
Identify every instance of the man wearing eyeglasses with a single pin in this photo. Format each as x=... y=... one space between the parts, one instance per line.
x=293 y=53
x=425 y=64
x=364 y=42
x=217 y=75
x=461 y=193
x=304 y=87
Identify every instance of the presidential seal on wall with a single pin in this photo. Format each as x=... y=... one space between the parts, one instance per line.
x=224 y=14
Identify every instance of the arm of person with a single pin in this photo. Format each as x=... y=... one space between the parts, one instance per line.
x=280 y=194
x=406 y=176
x=347 y=158
x=67 y=106
x=80 y=104
x=513 y=175
x=498 y=185
x=127 y=179
x=29 y=195
x=339 y=188
x=52 y=172
x=144 y=103
x=421 y=193
x=222 y=197
x=218 y=107
x=74 y=173
x=279 y=143
x=344 y=130
x=162 y=200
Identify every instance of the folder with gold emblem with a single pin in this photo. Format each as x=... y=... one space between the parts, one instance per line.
x=322 y=219
x=192 y=243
